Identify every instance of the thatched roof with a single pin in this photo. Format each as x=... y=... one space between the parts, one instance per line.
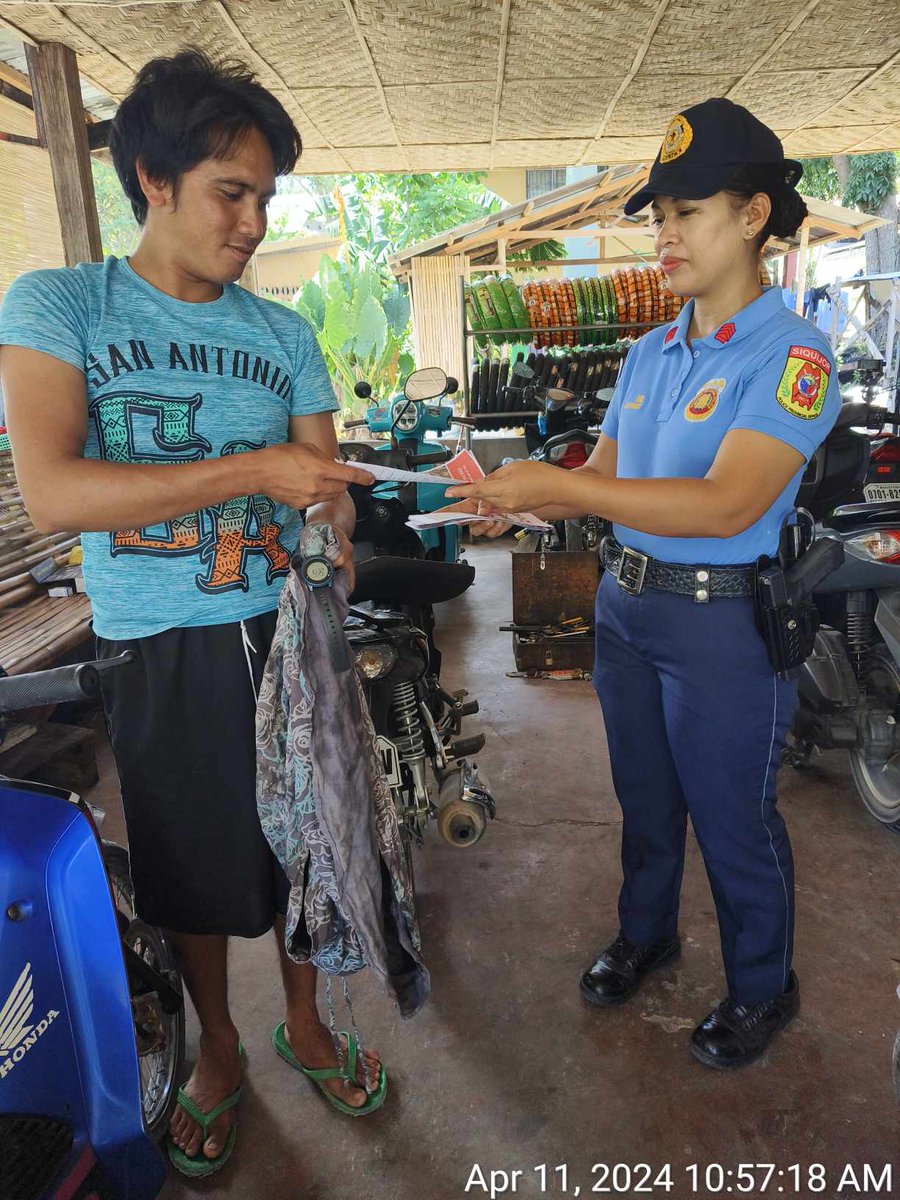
x=462 y=84
x=594 y=205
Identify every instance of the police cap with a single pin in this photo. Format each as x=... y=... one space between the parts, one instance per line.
x=704 y=148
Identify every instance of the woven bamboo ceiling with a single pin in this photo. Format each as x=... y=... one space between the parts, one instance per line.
x=464 y=84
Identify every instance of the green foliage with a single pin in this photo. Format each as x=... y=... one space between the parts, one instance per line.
x=282 y=226
x=382 y=214
x=119 y=232
x=820 y=179
x=872 y=178
x=543 y=252
x=362 y=324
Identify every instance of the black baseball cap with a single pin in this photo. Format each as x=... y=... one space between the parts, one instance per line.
x=704 y=148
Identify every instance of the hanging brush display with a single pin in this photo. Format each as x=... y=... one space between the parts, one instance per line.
x=633 y=298
x=584 y=372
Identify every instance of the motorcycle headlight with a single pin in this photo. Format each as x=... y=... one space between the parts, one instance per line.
x=374 y=662
x=881 y=544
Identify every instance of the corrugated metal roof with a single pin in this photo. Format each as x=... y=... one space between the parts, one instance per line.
x=95 y=101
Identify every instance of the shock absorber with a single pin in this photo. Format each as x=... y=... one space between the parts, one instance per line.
x=860 y=633
x=410 y=739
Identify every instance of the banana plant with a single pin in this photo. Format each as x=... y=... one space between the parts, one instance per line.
x=363 y=328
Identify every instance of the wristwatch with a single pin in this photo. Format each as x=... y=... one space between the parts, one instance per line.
x=317 y=572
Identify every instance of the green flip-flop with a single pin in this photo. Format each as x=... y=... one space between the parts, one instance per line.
x=200 y=1166
x=375 y=1099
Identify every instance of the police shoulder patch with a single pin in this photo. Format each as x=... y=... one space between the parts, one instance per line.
x=804 y=382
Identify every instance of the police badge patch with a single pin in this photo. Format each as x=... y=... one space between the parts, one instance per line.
x=703 y=405
x=678 y=137
x=804 y=382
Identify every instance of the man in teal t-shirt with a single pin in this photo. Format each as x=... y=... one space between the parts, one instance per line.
x=179 y=424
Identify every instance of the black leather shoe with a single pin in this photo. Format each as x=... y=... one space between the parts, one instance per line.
x=620 y=970
x=733 y=1034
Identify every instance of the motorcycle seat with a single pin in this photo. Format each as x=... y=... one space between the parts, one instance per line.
x=872 y=514
x=386 y=580
x=852 y=413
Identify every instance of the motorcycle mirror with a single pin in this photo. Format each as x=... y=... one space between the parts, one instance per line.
x=451 y=386
x=559 y=398
x=362 y=389
x=425 y=384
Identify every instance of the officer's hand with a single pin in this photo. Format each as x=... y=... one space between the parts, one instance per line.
x=515 y=488
x=489 y=529
x=300 y=474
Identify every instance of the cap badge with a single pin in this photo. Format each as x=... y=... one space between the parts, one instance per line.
x=678 y=137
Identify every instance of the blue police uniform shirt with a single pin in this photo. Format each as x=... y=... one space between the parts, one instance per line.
x=766 y=369
x=172 y=382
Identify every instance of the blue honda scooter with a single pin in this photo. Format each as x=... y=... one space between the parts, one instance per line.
x=91 y=1009
x=382 y=511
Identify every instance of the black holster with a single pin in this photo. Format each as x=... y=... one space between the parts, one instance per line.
x=786 y=616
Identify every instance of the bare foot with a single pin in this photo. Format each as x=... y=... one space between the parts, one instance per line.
x=216 y=1074
x=312 y=1045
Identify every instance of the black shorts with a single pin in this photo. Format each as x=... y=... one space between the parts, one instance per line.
x=181 y=720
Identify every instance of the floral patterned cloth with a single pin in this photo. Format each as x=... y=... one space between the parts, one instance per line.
x=325 y=804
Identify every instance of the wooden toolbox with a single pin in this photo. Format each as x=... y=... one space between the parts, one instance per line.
x=549 y=589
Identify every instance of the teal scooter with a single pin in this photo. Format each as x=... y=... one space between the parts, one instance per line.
x=382 y=511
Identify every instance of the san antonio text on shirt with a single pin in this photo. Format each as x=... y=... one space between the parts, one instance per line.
x=192 y=358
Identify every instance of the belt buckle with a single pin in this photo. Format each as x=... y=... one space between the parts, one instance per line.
x=631 y=571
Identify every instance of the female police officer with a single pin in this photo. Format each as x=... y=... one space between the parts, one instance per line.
x=697 y=466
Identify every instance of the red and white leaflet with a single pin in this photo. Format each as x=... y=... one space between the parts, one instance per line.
x=464 y=467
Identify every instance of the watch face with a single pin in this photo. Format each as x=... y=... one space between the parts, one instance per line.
x=317 y=570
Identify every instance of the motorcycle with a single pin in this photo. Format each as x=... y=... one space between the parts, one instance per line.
x=416 y=721
x=400 y=576
x=849 y=688
x=883 y=476
x=91 y=1007
x=382 y=511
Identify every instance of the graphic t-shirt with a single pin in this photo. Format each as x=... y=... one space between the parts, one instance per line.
x=172 y=382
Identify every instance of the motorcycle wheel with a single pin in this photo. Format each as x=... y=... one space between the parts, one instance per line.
x=160 y=1069
x=877 y=778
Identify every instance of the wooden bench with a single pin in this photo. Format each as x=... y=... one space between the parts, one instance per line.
x=35 y=630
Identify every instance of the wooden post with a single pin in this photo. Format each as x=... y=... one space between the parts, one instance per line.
x=62 y=129
x=801 y=267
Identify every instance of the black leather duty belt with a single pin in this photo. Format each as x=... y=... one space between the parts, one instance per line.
x=634 y=571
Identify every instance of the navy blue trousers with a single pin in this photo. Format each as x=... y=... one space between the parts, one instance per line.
x=696 y=721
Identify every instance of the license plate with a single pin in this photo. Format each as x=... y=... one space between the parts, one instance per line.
x=390 y=762
x=882 y=491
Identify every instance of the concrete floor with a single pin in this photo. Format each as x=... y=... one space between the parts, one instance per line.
x=507 y=1067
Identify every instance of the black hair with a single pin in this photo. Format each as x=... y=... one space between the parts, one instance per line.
x=777 y=180
x=187 y=108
